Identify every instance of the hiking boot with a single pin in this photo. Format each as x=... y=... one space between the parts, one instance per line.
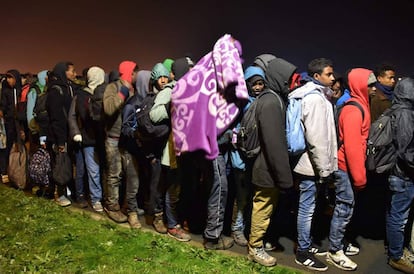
x=81 y=201
x=97 y=206
x=133 y=220
x=403 y=264
x=239 y=238
x=259 y=255
x=158 y=223
x=408 y=254
x=179 y=234
x=221 y=243
x=116 y=215
x=317 y=251
x=63 y=201
x=308 y=260
x=340 y=260
x=351 y=250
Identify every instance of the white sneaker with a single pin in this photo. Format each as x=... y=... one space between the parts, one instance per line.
x=97 y=206
x=63 y=201
x=340 y=260
x=259 y=255
x=351 y=250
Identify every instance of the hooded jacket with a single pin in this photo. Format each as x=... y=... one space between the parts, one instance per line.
x=58 y=103
x=9 y=99
x=113 y=102
x=142 y=82
x=80 y=122
x=354 y=130
x=271 y=167
x=320 y=159
x=31 y=101
x=403 y=129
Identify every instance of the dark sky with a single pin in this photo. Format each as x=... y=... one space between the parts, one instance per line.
x=38 y=34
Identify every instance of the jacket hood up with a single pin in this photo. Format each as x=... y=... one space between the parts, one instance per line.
x=263 y=60
x=16 y=75
x=358 y=84
x=59 y=72
x=404 y=93
x=278 y=74
x=125 y=70
x=142 y=82
x=41 y=77
x=95 y=77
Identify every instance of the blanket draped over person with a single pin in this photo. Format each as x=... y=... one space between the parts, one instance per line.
x=205 y=100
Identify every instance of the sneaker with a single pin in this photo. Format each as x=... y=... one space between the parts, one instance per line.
x=5 y=178
x=351 y=250
x=97 y=206
x=116 y=215
x=317 y=251
x=239 y=238
x=81 y=201
x=221 y=243
x=403 y=264
x=63 y=201
x=276 y=247
x=140 y=211
x=259 y=255
x=308 y=260
x=158 y=223
x=340 y=260
x=179 y=234
x=133 y=220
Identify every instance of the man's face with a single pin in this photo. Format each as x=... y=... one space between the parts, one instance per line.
x=11 y=80
x=258 y=87
x=337 y=91
x=71 y=73
x=326 y=78
x=387 y=79
x=372 y=90
x=161 y=82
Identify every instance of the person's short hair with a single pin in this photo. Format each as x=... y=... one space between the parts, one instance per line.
x=318 y=65
x=382 y=68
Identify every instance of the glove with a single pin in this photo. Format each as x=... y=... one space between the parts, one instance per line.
x=124 y=92
x=77 y=138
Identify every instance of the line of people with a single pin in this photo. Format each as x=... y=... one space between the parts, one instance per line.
x=181 y=178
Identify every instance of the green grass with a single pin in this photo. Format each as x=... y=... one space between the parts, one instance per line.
x=37 y=236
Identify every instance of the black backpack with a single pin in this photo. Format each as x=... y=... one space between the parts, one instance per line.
x=96 y=103
x=147 y=131
x=248 y=142
x=381 y=151
x=338 y=111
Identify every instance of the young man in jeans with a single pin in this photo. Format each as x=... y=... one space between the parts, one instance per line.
x=319 y=161
x=353 y=124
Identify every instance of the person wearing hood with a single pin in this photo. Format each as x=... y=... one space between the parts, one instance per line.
x=160 y=113
x=271 y=170
x=319 y=161
x=142 y=83
x=353 y=132
x=59 y=98
x=83 y=131
x=255 y=82
x=401 y=179
x=11 y=90
x=383 y=96
x=37 y=128
x=115 y=95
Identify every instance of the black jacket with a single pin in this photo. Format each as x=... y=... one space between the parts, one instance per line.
x=403 y=128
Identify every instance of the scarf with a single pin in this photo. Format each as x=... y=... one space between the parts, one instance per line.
x=388 y=91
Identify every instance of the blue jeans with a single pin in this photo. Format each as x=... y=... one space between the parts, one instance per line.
x=243 y=183
x=402 y=195
x=344 y=207
x=307 y=202
x=217 y=199
x=113 y=178
x=87 y=156
x=172 y=185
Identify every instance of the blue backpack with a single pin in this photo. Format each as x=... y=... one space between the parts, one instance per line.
x=295 y=134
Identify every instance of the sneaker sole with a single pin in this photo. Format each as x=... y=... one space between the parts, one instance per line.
x=252 y=259
x=351 y=253
x=311 y=267
x=178 y=239
x=332 y=262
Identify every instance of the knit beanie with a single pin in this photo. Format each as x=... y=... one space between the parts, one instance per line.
x=158 y=71
x=168 y=63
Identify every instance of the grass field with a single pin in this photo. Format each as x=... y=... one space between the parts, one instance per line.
x=37 y=236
